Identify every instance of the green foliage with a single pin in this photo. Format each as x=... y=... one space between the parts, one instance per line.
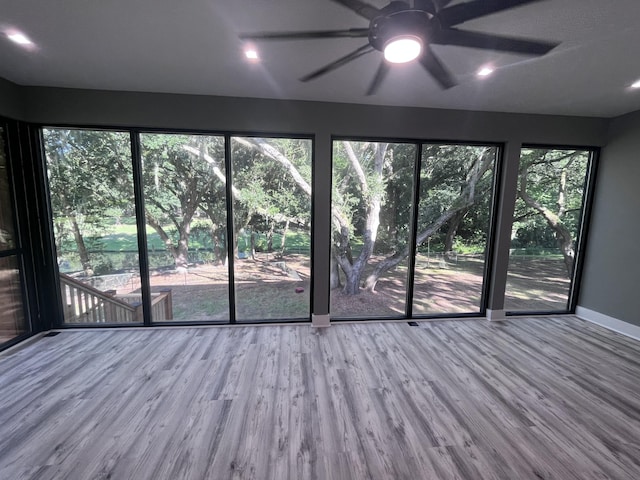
x=90 y=180
x=556 y=180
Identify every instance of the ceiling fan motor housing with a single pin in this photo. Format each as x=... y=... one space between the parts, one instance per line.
x=399 y=20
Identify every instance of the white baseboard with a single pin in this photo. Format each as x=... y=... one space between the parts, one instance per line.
x=620 y=326
x=496 y=315
x=320 y=321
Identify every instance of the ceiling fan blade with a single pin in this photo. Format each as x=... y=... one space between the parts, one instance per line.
x=436 y=68
x=453 y=36
x=338 y=63
x=379 y=77
x=352 y=32
x=462 y=12
x=361 y=8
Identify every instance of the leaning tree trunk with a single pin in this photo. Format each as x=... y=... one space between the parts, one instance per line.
x=85 y=261
x=394 y=260
x=454 y=224
x=554 y=220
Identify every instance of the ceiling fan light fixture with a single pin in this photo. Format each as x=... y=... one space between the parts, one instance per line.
x=635 y=84
x=403 y=49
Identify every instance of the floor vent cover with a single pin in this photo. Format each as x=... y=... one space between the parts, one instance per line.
x=51 y=334
x=413 y=324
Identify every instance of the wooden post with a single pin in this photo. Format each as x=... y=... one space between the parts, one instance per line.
x=137 y=312
x=110 y=313
x=168 y=304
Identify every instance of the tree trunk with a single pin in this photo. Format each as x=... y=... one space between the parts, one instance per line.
x=219 y=250
x=563 y=235
x=334 y=275
x=567 y=247
x=270 y=236
x=82 y=248
x=352 y=284
x=253 y=245
x=283 y=238
x=181 y=252
x=394 y=260
x=454 y=224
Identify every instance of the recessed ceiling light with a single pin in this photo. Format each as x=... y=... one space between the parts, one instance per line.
x=485 y=71
x=19 y=38
x=636 y=84
x=251 y=54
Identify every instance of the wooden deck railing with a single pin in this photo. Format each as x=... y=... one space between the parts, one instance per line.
x=86 y=304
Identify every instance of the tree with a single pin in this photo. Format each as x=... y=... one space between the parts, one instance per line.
x=273 y=177
x=176 y=181
x=453 y=179
x=89 y=173
x=364 y=175
x=551 y=187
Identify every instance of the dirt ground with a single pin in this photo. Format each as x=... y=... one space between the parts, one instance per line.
x=279 y=289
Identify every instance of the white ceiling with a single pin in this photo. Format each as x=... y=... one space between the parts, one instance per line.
x=193 y=47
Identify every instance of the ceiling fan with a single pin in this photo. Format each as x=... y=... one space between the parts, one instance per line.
x=404 y=30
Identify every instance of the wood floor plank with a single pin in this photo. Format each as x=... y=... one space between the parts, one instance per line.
x=539 y=398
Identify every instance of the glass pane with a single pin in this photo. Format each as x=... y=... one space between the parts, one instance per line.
x=90 y=180
x=12 y=320
x=545 y=229
x=272 y=222
x=186 y=214
x=456 y=190
x=371 y=211
x=6 y=206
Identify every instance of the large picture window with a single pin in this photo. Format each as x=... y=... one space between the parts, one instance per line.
x=371 y=211
x=546 y=227
x=187 y=190
x=272 y=227
x=186 y=216
x=454 y=218
x=92 y=202
x=374 y=233
x=227 y=227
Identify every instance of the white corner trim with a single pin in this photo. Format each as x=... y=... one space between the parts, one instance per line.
x=496 y=315
x=320 y=321
x=620 y=326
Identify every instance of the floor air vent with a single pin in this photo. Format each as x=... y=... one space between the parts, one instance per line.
x=413 y=324
x=51 y=334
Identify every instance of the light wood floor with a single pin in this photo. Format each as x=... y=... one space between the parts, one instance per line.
x=526 y=399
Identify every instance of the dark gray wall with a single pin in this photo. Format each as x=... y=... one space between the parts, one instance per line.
x=611 y=279
x=57 y=106
x=90 y=107
x=11 y=101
